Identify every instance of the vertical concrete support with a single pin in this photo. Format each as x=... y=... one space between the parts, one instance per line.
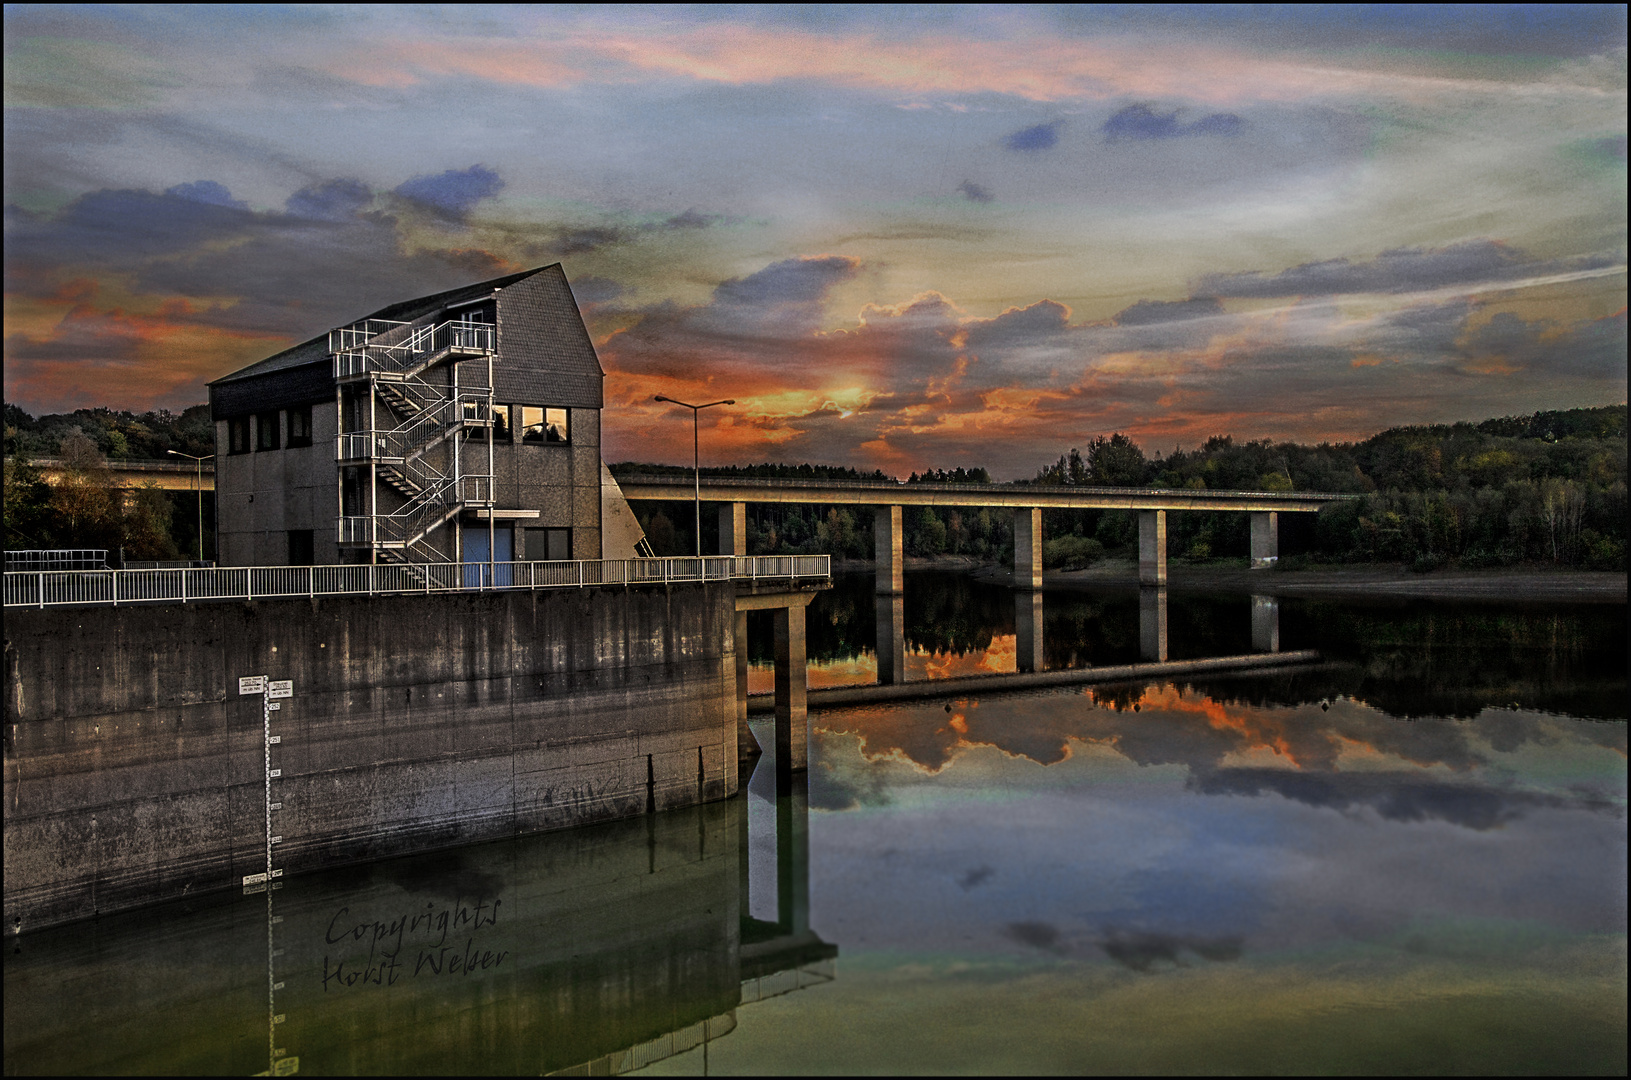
x=792 y=697
x=733 y=529
x=746 y=745
x=1028 y=548
x=793 y=852
x=1152 y=624
x=1152 y=547
x=886 y=539
x=1265 y=539
x=891 y=622
x=1028 y=630
x=1265 y=624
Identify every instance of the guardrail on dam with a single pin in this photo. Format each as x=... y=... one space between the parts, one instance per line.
x=136 y=772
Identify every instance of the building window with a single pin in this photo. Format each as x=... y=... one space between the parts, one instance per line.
x=300 y=426
x=302 y=547
x=541 y=425
x=266 y=431
x=501 y=423
x=555 y=545
x=238 y=435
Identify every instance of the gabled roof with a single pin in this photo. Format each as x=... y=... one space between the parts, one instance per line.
x=316 y=350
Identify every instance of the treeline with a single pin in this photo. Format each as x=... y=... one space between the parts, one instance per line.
x=85 y=508
x=120 y=436
x=1548 y=487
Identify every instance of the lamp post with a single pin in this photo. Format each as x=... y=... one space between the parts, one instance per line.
x=198 y=486
x=696 y=466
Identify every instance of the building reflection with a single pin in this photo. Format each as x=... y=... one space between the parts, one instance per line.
x=592 y=951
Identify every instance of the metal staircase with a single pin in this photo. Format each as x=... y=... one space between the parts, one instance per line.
x=409 y=395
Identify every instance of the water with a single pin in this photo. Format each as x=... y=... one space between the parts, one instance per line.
x=1408 y=858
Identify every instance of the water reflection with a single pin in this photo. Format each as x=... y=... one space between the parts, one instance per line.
x=1409 y=657
x=599 y=949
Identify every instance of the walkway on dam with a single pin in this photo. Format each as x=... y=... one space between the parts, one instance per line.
x=1027 y=502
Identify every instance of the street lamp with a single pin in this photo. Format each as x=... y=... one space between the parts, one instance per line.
x=696 y=466
x=198 y=486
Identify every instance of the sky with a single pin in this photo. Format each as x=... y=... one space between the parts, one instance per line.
x=898 y=238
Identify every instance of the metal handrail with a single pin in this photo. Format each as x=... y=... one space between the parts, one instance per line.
x=356 y=353
x=58 y=588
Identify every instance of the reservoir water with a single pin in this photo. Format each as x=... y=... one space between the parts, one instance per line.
x=1409 y=857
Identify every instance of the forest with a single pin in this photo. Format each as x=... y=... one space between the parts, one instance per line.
x=1549 y=487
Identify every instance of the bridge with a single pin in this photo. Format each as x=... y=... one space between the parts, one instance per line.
x=166 y=475
x=732 y=494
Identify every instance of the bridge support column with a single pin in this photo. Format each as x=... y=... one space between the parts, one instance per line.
x=1265 y=539
x=792 y=694
x=1152 y=624
x=1028 y=548
x=886 y=540
x=733 y=529
x=891 y=623
x=1028 y=630
x=1265 y=623
x=1152 y=548
x=746 y=745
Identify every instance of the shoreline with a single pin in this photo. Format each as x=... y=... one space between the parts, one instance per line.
x=1521 y=583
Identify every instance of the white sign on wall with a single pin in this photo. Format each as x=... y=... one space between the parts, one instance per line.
x=252 y=684
x=281 y=688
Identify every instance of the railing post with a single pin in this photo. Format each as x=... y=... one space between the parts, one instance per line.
x=116 y=587
x=42 y=590
x=311 y=582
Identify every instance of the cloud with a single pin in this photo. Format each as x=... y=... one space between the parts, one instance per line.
x=973 y=192
x=1038 y=935
x=454 y=193
x=207 y=191
x=1034 y=138
x=1398 y=270
x=1142 y=951
x=1137 y=122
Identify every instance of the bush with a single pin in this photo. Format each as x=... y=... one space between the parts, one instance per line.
x=1071 y=552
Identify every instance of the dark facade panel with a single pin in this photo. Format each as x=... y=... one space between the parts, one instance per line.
x=308 y=384
x=545 y=354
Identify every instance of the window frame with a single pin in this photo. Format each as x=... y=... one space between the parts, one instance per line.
x=262 y=427
x=303 y=412
x=239 y=435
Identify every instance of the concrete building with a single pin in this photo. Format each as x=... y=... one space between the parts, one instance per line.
x=458 y=427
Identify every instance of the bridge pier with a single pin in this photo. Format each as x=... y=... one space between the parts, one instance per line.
x=1265 y=623
x=733 y=528
x=1152 y=549
x=891 y=650
x=1028 y=547
x=1028 y=630
x=888 y=551
x=792 y=852
x=792 y=693
x=1265 y=539
x=1152 y=624
x=746 y=745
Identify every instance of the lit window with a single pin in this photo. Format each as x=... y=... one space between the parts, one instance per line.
x=555 y=425
x=532 y=424
x=501 y=423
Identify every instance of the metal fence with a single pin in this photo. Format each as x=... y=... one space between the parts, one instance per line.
x=48 y=588
x=58 y=559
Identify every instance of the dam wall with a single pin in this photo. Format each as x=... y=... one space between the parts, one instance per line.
x=135 y=772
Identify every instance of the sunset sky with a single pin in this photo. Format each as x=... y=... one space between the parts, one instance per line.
x=899 y=237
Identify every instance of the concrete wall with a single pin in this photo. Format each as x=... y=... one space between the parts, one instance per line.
x=135 y=771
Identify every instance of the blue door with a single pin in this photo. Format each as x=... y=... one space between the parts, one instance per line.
x=476 y=550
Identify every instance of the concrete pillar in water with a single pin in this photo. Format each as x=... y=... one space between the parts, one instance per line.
x=793 y=852
x=1265 y=539
x=746 y=745
x=886 y=540
x=1152 y=547
x=792 y=703
x=1028 y=630
x=891 y=622
x=1265 y=623
x=733 y=529
x=1028 y=548
x=1152 y=624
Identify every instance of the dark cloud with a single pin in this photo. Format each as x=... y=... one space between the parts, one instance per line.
x=979 y=875
x=454 y=193
x=1150 y=312
x=1398 y=270
x=692 y=219
x=830 y=790
x=596 y=290
x=1137 y=122
x=973 y=192
x=1143 y=951
x=791 y=281
x=1036 y=137
x=207 y=191
x=1038 y=935
x=330 y=200
x=1394 y=796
